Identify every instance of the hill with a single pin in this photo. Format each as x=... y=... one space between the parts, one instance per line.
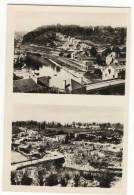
x=46 y=35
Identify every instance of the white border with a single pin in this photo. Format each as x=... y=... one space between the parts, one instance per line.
x=118 y=3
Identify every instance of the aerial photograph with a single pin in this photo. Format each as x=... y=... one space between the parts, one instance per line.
x=79 y=147
x=61 y=54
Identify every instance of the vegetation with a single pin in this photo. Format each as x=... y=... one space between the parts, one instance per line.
x=62 y=177
x=92 y=156
x=47 y=34
x=105 y=133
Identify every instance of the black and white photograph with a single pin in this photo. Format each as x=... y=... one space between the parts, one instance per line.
x=79 y=147
x=66 y=103
x=70 y=50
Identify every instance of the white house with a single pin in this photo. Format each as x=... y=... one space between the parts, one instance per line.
x=109 y=72
x=110 y=58
x=112 y=71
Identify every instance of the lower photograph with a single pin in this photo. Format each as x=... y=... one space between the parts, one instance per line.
x=67 y=146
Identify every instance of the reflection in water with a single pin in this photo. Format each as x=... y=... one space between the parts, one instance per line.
x=58 y=75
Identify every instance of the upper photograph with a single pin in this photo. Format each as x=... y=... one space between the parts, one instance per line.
x=69 y=50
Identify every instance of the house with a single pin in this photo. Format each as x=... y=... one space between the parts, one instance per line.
x=88 y=65
x=110 y=58
x=113 y=72
x=109 y=73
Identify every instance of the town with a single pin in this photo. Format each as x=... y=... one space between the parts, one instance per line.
x=66 y=154
x=70 y=60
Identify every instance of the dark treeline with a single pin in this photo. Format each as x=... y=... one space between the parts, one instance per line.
x=53 y=124
x=98 y=34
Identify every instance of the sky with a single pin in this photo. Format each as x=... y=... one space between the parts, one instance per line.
x=66 y=114
x=27 y=18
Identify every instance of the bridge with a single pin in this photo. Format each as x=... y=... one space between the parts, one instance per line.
x=28 y=163
x=103 y=87
x=89 y=168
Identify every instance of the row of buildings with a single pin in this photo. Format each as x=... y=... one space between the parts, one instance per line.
x=74 y=56
x=115 y=62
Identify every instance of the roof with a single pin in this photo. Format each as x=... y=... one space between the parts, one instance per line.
x=25 y=85
x=44 y=81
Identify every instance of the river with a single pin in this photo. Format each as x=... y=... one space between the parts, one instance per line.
x=57 y=73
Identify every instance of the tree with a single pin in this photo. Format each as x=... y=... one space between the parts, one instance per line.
x=52 y=180
x=67 y=139
x=33 y=62
x=105 y=179
x=64 y=179
x=13 y=178
x=76 y=179
x=26 y=180
x=93 y=51
x=99 y=60
x=98 y=73
x=41 y=179
x=122 y=35
x=106 y=52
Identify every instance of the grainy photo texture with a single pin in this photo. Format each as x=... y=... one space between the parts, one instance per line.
x=70 y=52
x=74 y=150
x=67 y=82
